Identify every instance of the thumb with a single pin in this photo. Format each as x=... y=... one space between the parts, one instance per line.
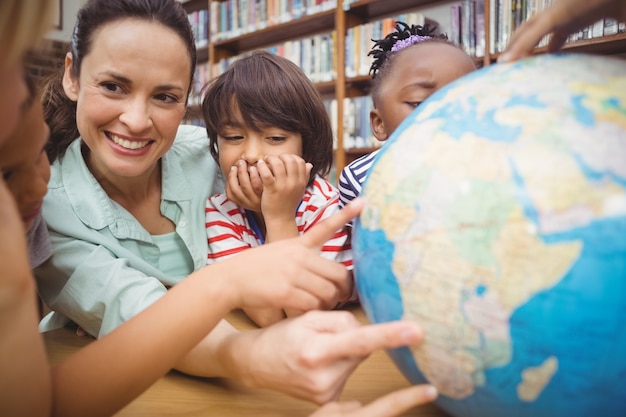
x=315 y=237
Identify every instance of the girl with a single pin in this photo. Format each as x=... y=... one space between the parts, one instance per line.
x=270 y=134
x=410 y=64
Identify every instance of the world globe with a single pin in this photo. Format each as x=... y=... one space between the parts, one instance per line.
x=495 y=216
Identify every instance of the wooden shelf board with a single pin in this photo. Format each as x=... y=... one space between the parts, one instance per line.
x=358 y=86
x=367 y=10
x=605 y=45
x=195 y=5
x=272 y=35
x=202 y=55
x=326 y=88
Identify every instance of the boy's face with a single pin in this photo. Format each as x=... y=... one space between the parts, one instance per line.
x=24 y=163
x=238 y=142
x=416 y=73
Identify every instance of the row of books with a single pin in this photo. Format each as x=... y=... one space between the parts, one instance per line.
x=359 y=40
x=234 y=18
x=507 y=15
x=315 y=55
x=603 y=27
x=357 y=132
x=201 y=78
x=467 y=26
x=200 y=25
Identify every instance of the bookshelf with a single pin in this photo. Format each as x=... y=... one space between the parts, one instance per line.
x=239 y=26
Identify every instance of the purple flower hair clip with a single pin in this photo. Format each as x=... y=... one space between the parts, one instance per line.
x=411 y=40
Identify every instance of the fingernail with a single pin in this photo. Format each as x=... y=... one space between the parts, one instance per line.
x=431 y=392
x=260 y=161
x=505 y=57
x=410 y=334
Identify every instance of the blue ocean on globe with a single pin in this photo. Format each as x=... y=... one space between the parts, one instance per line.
x=495 y=216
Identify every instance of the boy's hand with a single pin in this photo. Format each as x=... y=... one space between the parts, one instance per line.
x=274 y=186
x=244 y=186
x=285 y=178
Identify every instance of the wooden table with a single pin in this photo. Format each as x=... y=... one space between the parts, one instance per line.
x=180 y=395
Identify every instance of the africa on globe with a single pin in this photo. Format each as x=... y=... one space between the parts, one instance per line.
x=495 y=216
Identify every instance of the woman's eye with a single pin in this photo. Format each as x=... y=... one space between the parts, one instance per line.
x=111 y=87
x=414 y=104
x=6 y=175
x=167 y=98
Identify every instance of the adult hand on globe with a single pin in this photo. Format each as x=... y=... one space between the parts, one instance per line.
x=388 y=406
x=318 y=352
x=561 y=19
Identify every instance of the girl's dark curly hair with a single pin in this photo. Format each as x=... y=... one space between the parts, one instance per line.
x=383 y=53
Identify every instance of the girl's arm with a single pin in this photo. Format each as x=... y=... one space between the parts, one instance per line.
x=24 y=373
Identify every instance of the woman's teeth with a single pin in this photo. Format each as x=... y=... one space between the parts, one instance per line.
x=128 y=144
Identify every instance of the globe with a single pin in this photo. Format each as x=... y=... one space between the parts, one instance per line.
x=495 y=216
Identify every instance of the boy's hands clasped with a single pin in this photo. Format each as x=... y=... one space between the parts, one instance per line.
x=273 y=186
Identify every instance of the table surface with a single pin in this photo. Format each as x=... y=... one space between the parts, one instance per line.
x=178 y=395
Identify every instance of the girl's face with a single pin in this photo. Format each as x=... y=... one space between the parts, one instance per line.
x=14 y=93
x=24 y=163
x=130 y=96
x=237 y=141
x=417 y=72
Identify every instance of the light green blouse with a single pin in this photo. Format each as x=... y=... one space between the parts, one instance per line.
x=105 y=266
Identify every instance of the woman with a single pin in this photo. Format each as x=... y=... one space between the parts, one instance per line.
x=125 y=209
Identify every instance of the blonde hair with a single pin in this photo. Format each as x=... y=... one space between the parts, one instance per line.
x=22 y=24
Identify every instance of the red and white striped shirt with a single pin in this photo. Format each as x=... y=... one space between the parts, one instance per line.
x=229 y=231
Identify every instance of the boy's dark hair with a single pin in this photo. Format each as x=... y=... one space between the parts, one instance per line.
x=59 y=110
x=382 y=49
x=270 y=90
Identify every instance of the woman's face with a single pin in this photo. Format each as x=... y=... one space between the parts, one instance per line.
x=130 y=96
x=24 y=163
x=14 y=94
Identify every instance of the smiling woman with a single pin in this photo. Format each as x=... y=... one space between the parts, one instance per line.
x=129 y=111
x=125 y=178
